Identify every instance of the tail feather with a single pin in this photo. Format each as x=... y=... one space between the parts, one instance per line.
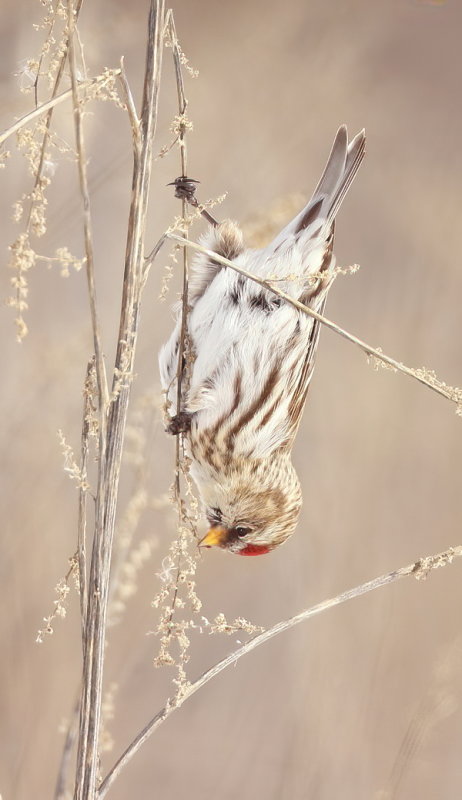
x=355 y=154
x=335 y=167
x=342 y=165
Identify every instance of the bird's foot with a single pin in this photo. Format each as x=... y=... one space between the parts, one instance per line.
x=180 y=423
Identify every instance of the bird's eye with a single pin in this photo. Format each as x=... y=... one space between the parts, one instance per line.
x=241 y=531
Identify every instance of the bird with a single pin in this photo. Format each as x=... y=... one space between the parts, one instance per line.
x=250 y=360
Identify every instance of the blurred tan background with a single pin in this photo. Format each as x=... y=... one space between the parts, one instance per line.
x=363 y=701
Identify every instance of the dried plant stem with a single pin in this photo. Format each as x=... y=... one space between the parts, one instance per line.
x=130 y=104
x=110 y=458
x=182 y=106
x=82 y=519
x=49 y=117
x=419 y=569
x=368 y=349
x=73 y=727
x=66 y=756
x=87 y=227
x=50 y=104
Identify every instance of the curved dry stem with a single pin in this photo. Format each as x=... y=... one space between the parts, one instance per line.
x=87 y=226
x=49 y=117
x=450 y=393
x=420 y=569
x=48 y=106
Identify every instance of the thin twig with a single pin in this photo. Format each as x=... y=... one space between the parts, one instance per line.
x=182 y=106
x=65 y=764
x=450 y=393
x=42 y=55
x=182 y=102
x=419 y=569
x=148 y=261
x=90 y=701
x=59 y=75
x=73 y=727
x=36 y=112
x=82 y=519
x=87 y=226
x=50 y=104
x=130 y=103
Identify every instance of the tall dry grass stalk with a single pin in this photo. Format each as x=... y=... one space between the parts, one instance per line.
x=107 y=399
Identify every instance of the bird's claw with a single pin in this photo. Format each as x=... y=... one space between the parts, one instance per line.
x=180 y=423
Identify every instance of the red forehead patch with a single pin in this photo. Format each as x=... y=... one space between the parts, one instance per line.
x=254 y=550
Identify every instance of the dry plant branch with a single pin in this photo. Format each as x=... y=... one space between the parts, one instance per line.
x=451 y=393
x=49 y=105
x=59 y=75
x=130 y=104
x=73 y=725
x=66 y=756
x=420 y=569
x=178 y=586
x=83 y=489
x=182 y=106
x=87 y=225
x=110 y=457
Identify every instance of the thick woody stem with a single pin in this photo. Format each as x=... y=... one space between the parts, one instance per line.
x=110 y=459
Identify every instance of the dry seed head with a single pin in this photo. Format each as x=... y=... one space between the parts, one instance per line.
x=22 y=259
x=181 y=124
x=425 y=565
x=104 y=87
x=62 y=590
x=71 y=468
x=377 y=363
x=174 y=43
x=4 y=156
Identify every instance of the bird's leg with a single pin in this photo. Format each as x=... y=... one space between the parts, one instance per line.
x=185 y=189
x=180 y=423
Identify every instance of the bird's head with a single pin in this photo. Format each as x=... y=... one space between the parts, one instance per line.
x=252 y=509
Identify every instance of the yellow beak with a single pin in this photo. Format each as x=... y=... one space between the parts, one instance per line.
x=215 y=537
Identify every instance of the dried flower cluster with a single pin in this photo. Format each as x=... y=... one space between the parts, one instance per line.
x=71 y=468
x=425 y=565
x=170 y=40
x=177 y=594
x=62 y=590
x=453 y=393
x=42 y=149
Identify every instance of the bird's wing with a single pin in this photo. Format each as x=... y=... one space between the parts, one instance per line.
x=226 y=240
x=299 y=393
x=313 y=230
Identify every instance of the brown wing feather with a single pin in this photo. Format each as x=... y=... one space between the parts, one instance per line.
x=298 y=400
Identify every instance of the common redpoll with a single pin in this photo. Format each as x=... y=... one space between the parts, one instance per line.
x=251 y=360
